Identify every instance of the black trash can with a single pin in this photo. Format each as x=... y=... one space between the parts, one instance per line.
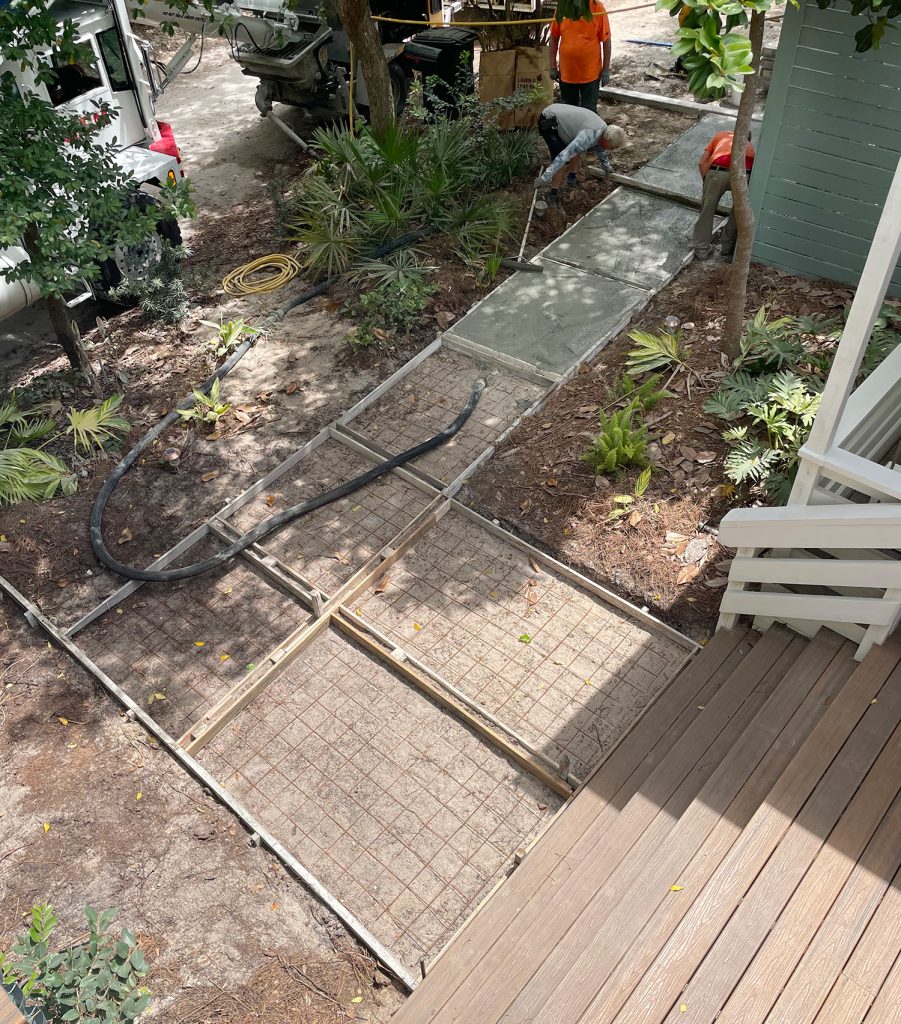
x=447 y=54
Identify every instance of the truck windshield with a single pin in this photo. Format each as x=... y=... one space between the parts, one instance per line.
x=76 y=77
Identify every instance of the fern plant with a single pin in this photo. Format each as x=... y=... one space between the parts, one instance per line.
x=96 y=427
x=764 y=452
x=621 y=442
x=645 y=395
x=656 y=351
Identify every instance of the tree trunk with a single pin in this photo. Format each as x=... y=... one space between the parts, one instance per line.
x=741 y=201
x=64 y=329
x=356 y=18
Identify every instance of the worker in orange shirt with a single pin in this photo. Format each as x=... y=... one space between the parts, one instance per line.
x=580 y=37
x=714 y=167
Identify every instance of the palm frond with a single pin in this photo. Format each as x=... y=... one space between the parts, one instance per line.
x=655 y=351
x=27 y=474
x=95 y=427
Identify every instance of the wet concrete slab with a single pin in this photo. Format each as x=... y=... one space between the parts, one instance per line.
x=553 y=319
x=639 y=240
x=676 y=167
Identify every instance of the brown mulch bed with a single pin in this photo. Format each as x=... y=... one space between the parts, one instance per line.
x=661 y=555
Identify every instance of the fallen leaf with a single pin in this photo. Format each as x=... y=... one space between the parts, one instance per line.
x=224 y=657
x=357 y=999
x=138 y=797
x=46 y=826
x=62 y=721
x=536 y=568
x=551 y=482
x=542 y=807
x=155 y=696
x=668 y=438
x=228 y=590
x=525 y=639
x=125 y=536
x=546 y=426
x=291 y=388
x=417 y=627
x=635 y=518
x=274 y=906
x=705 y=457
x=343 y=559
x=444 y=318
x=532 y=597
x=686 y=574
x=383 y=585
x=683 y=1008
x=676 y=888
x=270 y=500
x=71 y=746
x=209 y=476
x=200 y=643
x=717 y=583
x=241 y=417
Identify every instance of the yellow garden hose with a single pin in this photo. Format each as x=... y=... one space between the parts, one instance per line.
x=246 y=280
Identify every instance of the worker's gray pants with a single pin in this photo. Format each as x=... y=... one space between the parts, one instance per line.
x=716 y=185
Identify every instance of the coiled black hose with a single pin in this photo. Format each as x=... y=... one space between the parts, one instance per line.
x=276 y=522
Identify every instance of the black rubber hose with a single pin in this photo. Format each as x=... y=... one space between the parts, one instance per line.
x=268 y=526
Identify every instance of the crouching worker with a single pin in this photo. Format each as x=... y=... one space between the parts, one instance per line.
x=569 y=132
x=714 y=167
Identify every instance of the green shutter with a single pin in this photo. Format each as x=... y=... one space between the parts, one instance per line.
x=829 y=145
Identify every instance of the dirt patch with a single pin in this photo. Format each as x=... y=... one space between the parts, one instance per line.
x=230 y=936
x=659 y=555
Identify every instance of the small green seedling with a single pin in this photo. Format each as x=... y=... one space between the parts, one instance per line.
x=206 y=408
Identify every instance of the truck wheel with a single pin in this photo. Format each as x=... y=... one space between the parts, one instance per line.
x=132 y=262
x=400 y=87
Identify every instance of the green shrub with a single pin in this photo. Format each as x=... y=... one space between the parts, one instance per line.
x=428 y=170
x=161 y=294
x=620 y=444
x=92 y=982
x=392 y=308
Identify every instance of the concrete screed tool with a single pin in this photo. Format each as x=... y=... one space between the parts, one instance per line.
x=519 y=263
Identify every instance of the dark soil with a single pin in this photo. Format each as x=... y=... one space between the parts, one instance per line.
x=537 y=485
x=94 y=813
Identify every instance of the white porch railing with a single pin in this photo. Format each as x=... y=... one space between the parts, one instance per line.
x=830 y=558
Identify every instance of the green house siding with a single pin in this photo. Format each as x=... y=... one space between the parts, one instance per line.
x=829 y=145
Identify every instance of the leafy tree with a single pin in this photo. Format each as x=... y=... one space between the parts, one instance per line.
x=720 y=43
x=65 y=198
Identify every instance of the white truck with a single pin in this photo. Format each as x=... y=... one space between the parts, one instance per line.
x=296 y=48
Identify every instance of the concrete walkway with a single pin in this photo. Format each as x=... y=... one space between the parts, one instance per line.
x=601 y=271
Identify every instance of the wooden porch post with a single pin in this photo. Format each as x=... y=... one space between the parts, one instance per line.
x=868 y=299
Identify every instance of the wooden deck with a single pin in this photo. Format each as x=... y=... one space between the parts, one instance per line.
x=734 y=859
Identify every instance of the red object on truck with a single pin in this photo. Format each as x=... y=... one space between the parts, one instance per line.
x=166 y=143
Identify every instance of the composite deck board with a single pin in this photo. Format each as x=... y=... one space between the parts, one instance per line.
x=617 y=779
x=598 y=850
x=578 y=964
x=808 y=987
x=785 y=917
x=872 y=957
x=885 y=1009
x=658 y=922
x=816 y=773
x=744 y=867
